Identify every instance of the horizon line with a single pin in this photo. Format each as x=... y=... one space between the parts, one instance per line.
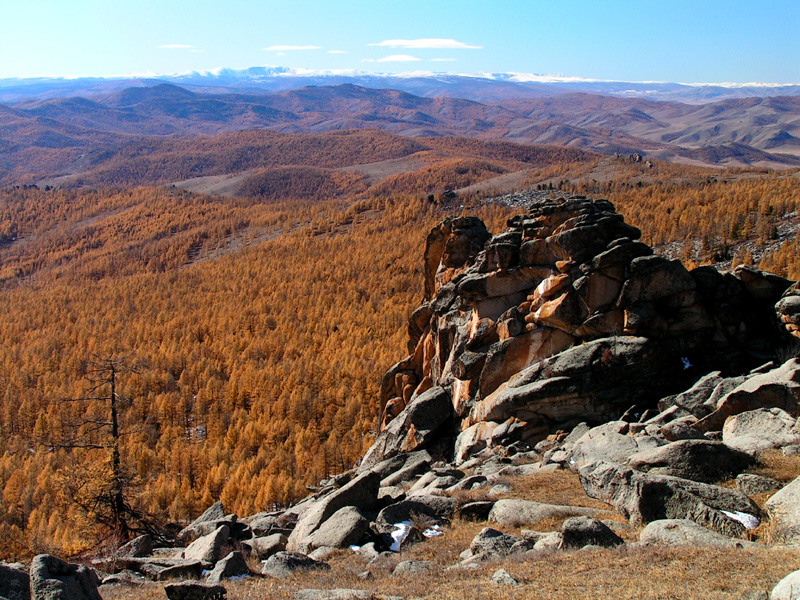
x=514 y=76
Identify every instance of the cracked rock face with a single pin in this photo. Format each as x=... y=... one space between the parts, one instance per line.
x=566 y=316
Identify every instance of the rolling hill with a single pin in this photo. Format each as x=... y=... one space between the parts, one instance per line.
x=68 y=136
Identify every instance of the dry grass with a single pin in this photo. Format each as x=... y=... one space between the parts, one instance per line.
x=624 y=573
x=554 y=487
x=774 y=464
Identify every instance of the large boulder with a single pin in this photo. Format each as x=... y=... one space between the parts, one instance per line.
x=783 y=509
x=53 y=579
x=761 y=429
x=361 y=492
x=593 y=382
x=193 y=590
x=787 y=588
x=491 y=542
x=284 y=564
x=513 y=513
x=233 y=565
x=642 y=498
x=208 y=548
x=212 y=518
x=264 y=547
x=577 y=532
x=683 y=532
x=137 y=547
x=435 y=509
x=14 y=583
x=699 y=460
x=346 y=527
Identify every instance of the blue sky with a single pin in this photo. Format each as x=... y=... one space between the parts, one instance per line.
x=676 y=40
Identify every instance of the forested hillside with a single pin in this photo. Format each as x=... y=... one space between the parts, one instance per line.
x=258 y=368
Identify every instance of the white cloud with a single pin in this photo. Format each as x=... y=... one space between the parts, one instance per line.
x=337 y=52
x=281 y=48
x=443 y=60
x=177 y=46
x=393 y=58
x=430 y=43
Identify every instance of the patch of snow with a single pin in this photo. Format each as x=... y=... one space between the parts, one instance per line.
x=748 y=520
x=433 y=531
x=399 y=535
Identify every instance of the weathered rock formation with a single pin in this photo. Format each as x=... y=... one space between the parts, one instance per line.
x=562 y=318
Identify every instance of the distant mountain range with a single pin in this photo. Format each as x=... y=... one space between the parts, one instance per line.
x=482 y=87
x=58 y=136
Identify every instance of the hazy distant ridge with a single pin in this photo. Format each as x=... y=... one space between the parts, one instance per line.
x=482 y=87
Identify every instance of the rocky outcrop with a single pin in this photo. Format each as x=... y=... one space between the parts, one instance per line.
x=643 y=498
x=565 y=316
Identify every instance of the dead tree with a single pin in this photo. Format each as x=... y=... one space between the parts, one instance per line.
x=102 y=495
